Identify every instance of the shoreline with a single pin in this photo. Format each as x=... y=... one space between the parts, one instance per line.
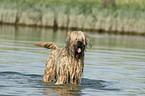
x=101 y=31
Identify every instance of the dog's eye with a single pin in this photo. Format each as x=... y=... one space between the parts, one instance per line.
x=82 y=40
x=76 y=39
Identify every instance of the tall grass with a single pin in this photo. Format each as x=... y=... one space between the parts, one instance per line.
x=124 y=16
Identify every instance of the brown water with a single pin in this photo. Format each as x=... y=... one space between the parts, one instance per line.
x=114 y=66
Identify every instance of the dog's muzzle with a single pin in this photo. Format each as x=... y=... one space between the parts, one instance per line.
x=79 y=49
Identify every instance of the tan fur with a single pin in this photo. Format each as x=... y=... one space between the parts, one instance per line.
x=66 y=64
x=49 y=45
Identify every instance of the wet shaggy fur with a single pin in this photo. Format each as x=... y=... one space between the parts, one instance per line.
x=65 y=65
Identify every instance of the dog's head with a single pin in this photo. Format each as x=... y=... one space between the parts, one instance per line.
x=76 y=42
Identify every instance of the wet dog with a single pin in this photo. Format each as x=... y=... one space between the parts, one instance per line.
x=65 y=65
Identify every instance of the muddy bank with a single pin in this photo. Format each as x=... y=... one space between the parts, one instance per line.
x=79 y=17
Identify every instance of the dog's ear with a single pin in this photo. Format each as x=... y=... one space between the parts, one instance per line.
x=87 y=40
x=68 y=39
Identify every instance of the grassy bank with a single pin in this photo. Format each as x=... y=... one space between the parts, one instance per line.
x=126 y=16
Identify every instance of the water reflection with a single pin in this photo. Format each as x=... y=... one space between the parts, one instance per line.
x=32 y=34
x=58 y=36
x=113 y=41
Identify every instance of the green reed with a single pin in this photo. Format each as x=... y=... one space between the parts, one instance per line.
x=124 y=16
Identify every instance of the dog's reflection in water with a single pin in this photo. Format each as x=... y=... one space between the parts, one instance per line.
x=76 y=90
x=62 y=90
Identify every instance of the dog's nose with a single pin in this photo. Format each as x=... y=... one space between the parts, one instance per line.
x=80 y=43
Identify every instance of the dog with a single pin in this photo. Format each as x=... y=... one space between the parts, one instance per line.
x=65 y=65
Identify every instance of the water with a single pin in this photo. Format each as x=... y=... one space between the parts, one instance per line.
x=114 y=66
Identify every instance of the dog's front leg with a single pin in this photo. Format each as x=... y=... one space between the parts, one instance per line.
x=50 y=70
x=60 y=80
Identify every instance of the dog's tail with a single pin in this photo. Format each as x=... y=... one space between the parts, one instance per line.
x=49 y=45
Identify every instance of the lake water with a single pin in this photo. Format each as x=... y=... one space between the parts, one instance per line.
x=114 y=66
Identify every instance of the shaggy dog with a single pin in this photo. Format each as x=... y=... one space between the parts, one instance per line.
x=65 y=65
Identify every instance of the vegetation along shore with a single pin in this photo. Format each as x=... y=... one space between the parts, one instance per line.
x=118 y=16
